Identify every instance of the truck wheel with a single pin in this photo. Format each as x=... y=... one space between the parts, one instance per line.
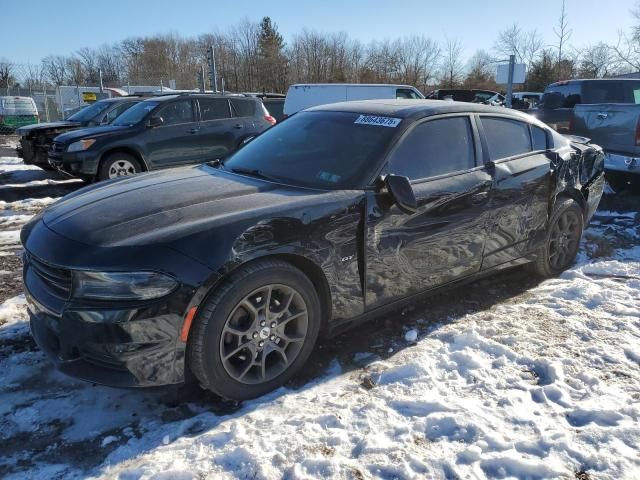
x=255 y=331
x=562 y=241
x=118 y=164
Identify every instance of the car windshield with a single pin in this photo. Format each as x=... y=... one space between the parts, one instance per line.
x=89 y=112
x=135 y=114
x=318 y=149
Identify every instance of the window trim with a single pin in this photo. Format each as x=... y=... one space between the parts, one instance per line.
x=474 y=138
x=485 y=144
x=164 y=105
x=546 y=138
x=201 y=118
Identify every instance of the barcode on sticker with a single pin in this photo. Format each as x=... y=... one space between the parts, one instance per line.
x=379 y=121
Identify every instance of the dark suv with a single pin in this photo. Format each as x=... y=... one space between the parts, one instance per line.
x=36 y=139
x=161 y=132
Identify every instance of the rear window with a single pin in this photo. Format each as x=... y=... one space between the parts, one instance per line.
x=18 y=106
x=605 y=91
x=565 y=95
x=506 y=138
x=243 y=107
x=276 y=109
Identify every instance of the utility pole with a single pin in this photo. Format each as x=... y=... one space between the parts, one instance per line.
x=512 y=63
x=201 y=80
x=101 y=85
x=211 y=60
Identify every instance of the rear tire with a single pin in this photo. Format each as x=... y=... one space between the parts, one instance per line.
x=118 y=164
x=255 y=331
x=562 y=240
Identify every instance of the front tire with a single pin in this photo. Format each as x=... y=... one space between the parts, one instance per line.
x=255 y=331
x=118 y=164
x=562 y=241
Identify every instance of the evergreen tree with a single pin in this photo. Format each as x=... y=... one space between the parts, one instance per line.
x=272 y=62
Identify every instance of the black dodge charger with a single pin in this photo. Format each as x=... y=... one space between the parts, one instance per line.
x=229 y=271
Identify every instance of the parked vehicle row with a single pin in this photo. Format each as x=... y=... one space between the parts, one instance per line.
x=229 y=271
x=160 y=132
x=36 y=139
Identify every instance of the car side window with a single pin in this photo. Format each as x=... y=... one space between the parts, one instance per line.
x=214 y=108
x=433 y=148
x=506 y=138
x=243 y=107
x=538 y=138
x=177 y=112
x=406 y=93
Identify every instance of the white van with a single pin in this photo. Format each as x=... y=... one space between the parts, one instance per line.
x=305 y=95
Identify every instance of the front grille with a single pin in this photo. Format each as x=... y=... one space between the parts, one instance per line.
x=56 y=147
x=57 y=280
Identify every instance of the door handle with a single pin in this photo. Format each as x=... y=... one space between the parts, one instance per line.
x=237 y=125
x=479 y=198
x=193 y=130
x=603 y=116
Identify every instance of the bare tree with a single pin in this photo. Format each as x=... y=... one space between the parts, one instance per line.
x=597 y=61
x=6 y=69
x=55 y=66
x=452 y=65
x=563 y=33
x=524 y=45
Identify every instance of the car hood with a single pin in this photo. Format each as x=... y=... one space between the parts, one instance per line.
x=92 y=132
x=167 y=205
x=44 y=126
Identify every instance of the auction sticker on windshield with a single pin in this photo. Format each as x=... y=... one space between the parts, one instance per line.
x=379 y=121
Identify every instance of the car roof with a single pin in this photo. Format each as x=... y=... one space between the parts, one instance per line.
x=166 y=98
x=405 y=108
x=351 y=85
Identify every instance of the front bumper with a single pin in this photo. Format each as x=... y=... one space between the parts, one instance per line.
x=75 y=163
x=622 y=163
x=123 y=347
x=117 y=343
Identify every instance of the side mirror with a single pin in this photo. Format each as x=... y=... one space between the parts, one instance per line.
x=402 y=193
x=155 y=122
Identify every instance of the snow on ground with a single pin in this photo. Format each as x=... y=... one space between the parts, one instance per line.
x=541 y=384
x=9 y=142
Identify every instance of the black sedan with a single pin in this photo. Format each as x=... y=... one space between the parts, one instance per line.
x=228 y=272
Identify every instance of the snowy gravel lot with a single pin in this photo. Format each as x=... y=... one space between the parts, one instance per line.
x=509 y=377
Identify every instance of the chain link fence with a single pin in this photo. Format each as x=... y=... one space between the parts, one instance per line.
x=29 y=94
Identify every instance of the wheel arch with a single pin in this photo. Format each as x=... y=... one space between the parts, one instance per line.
x=124 y=149
x=309 y=268
x=572 y=194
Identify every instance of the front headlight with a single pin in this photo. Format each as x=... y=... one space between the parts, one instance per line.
x=81 y=145
x=121 y=285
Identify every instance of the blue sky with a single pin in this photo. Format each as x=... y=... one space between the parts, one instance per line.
x=61 y=27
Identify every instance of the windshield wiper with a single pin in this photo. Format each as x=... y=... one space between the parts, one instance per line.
x=254 y=172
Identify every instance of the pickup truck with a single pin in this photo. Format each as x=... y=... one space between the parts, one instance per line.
x=616 y=128
x=560 y=99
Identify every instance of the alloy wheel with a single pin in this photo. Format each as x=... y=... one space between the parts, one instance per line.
x=564 y=240
x=264 y=334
